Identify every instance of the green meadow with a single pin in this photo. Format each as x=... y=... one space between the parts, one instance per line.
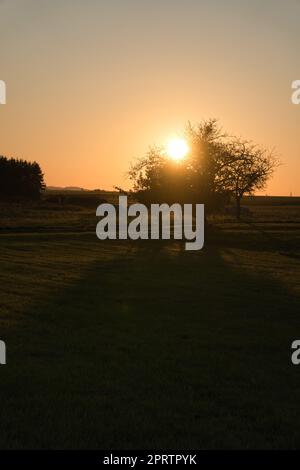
x=127 y=345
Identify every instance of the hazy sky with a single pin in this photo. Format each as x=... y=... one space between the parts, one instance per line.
x=91 y=83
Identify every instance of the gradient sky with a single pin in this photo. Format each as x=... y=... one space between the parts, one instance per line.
x=92 y=83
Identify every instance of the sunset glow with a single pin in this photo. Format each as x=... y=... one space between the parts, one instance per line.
x=108 y=103
x=177 y=149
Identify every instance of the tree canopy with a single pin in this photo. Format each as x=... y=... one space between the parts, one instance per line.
x=20 y=179
x=217 y=167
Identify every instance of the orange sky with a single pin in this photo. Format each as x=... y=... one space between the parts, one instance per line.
x=90 y=84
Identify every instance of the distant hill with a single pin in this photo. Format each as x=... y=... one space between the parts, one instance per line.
x=66 y=188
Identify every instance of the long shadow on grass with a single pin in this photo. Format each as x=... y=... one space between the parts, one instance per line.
x=158 y=348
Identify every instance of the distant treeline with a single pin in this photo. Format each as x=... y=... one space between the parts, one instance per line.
x=20 y=179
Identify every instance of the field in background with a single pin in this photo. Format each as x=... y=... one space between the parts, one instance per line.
x=75 y=211
x=144 y=345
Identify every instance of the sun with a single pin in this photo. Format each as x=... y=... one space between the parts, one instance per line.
x=177 y=149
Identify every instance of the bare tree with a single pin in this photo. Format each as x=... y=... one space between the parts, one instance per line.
x=246 y=168
x=217 y=167
x=157 y=178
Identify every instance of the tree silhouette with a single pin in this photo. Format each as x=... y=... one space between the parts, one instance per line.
x=217 y=168
x=206 y=142
x=20 y=179
x=156 y=178
x=246 y=169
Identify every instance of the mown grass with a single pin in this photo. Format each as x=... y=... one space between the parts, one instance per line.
x=144 y=345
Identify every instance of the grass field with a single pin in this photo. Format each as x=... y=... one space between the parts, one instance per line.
x=126 y=345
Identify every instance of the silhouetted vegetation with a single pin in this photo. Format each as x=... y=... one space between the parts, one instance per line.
x=246 y=168
x=20 y=179
x=217 y=169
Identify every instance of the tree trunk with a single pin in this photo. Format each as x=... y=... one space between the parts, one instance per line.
x=238 y=207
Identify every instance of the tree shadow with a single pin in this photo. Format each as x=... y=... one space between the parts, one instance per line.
x=156 y=348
